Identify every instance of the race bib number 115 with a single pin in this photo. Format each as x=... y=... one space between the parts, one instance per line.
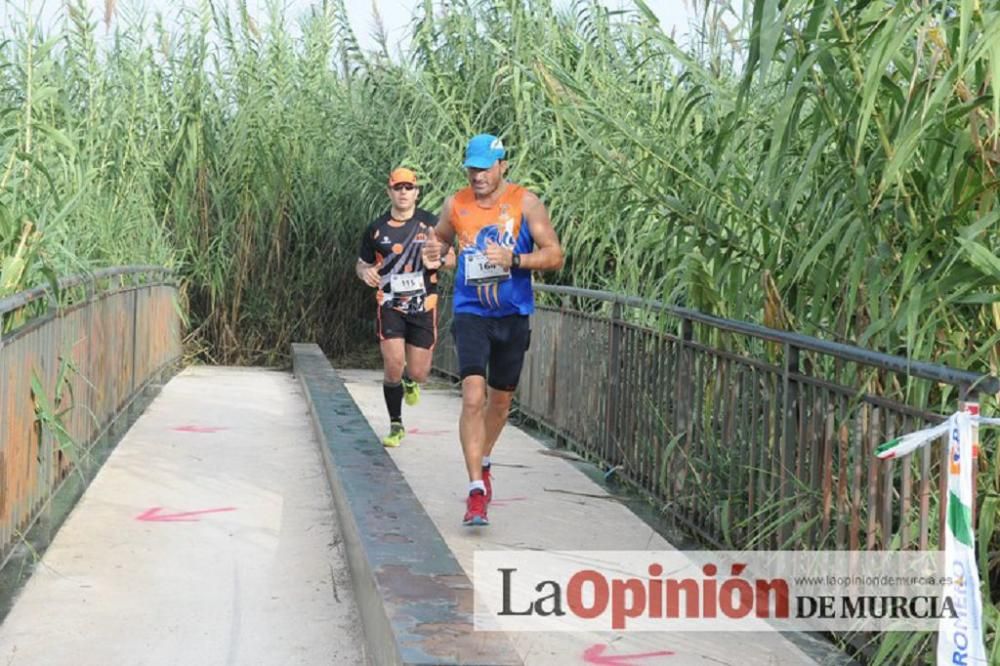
x=407 y=285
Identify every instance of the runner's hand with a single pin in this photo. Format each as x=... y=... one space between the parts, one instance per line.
x=431 y=265
x=431 y=253
x=498 y=255
x=371 y=277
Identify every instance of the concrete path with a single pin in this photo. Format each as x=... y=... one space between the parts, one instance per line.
x=543 y=502
x=208 y=537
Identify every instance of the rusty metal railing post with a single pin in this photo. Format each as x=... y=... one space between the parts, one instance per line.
x=789 y=436
x=614 y=381
x=134 y=325
x=683 y=397
x=685 y=368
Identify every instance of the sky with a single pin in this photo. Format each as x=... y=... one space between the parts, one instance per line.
x=396 y=14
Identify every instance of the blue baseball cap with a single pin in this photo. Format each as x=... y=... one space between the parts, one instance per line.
x=483 y=151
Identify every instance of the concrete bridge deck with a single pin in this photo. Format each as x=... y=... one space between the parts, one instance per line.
x=210 y=537
x=544 y=501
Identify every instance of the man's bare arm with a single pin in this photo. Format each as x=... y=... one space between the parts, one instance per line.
x=444 y=231
x=548 y=254
x=438 y=245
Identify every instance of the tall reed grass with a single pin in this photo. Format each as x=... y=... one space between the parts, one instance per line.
x=827 y=166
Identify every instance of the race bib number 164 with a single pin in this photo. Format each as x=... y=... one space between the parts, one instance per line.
x=479 y=270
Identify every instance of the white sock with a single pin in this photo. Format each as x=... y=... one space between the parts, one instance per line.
x=477 y=485
x=486 y=461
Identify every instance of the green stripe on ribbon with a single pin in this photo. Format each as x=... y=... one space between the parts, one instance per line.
x=960 y=520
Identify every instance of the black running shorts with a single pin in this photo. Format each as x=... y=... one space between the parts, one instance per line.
x=416 y=328
x=493 y=344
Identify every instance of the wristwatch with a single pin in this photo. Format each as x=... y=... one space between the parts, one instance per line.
x=515 y=260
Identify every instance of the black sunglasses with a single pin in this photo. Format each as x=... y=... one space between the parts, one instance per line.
x=400 y=187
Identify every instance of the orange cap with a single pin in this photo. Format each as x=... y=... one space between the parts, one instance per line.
x=402 y=175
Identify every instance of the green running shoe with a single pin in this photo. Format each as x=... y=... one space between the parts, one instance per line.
x=395 y=436
x=411 y=392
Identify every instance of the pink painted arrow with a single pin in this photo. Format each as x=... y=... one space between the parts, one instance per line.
x=418 y=431
x=197 y=428
x=595 y=655
x=154 y=515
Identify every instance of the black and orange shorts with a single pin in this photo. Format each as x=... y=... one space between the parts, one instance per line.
x=416 y=328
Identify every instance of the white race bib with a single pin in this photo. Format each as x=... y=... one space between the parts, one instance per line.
x=407 y=285
x=479 y=270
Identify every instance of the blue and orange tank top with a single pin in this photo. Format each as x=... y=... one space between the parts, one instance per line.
x=480 y=288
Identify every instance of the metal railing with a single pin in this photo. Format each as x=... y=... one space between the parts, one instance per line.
x=749 y=436
x=72 y=356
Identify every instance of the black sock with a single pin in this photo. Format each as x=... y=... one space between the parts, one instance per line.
x=406 y=378
x=393 y=401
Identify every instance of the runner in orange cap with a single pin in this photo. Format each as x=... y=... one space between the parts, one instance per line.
x=391 y=260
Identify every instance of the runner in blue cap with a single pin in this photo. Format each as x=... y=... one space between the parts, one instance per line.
x=503 y=233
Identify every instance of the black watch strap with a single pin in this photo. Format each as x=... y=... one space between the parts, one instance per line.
x=515 y=260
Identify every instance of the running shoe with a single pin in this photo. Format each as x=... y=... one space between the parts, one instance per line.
x=488 y=482
x=411 y=392
x=395 y=436
x=475 y=513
